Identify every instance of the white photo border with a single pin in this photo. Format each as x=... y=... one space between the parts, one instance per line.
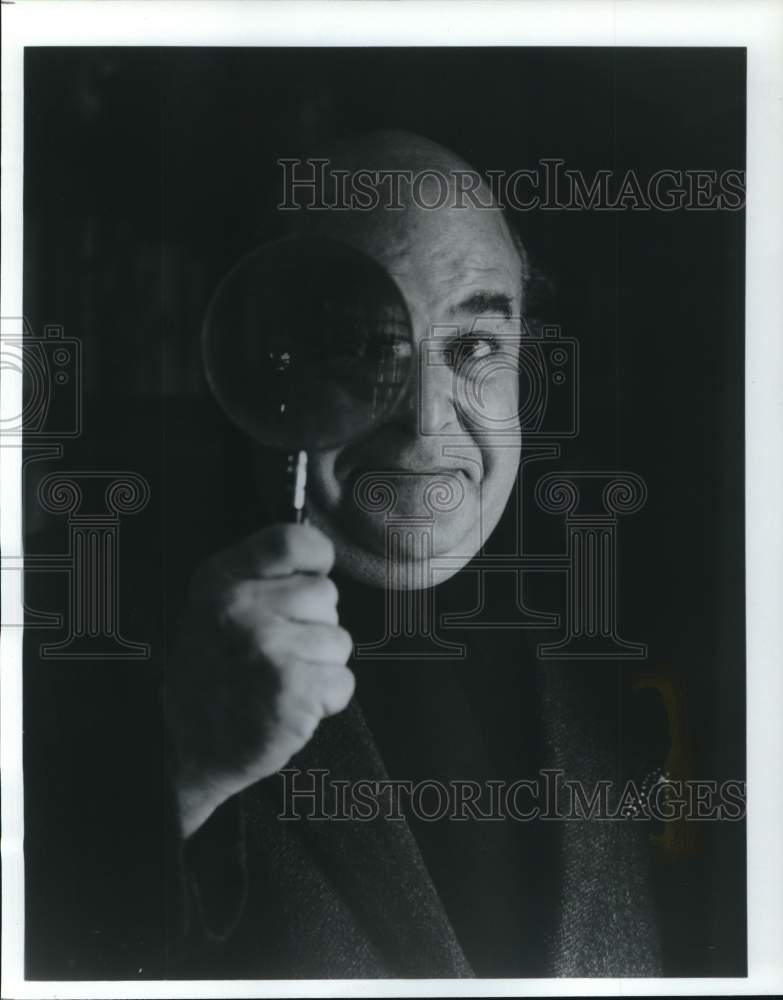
x=754 y=24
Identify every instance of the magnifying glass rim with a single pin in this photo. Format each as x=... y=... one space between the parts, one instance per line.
x=310 y=241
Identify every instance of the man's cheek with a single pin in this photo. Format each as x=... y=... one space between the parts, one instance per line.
x=503 y=399
x=501 y=456
x=489 y=405
x=323 y=487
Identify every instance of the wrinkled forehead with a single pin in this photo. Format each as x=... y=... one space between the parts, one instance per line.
x=433 y=253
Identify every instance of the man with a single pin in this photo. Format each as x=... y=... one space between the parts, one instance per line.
x=263 y=677
x=454 y=267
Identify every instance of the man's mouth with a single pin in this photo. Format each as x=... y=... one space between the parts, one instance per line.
x=399 y=471
x=403 y=478
x=376 y=492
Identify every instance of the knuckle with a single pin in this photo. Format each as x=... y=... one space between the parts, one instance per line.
x=320 y=589
x=304 y=725
x=339 y=689
x=287 y=682
x=344 y=640
x=328 y=590
x=300 y=685
x=268 y=644
x=297 y=717
x=347 y=686
x=295 y=680
x=239 y=600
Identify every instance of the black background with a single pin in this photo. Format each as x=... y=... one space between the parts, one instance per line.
x=148 y=172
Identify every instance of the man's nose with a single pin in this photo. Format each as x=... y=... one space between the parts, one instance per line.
x=429 y=406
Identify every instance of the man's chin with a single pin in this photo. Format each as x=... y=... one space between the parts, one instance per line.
x=375 y=570
x=404 y=554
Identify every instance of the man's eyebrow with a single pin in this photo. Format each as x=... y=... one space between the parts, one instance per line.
x=485 y=302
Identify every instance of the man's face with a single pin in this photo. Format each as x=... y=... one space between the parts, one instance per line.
x=457 y=426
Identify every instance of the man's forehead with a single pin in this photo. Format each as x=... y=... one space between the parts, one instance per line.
x=455 y=252
x=441 y=251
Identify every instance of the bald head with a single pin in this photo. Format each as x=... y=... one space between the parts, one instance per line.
x=389 y=181
x=392 y=148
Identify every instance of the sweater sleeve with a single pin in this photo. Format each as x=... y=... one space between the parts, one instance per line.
x=213 y=878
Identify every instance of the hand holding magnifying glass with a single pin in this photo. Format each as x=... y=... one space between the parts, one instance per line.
x=307 y=345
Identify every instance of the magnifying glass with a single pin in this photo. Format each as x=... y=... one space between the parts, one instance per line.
x=307 y=344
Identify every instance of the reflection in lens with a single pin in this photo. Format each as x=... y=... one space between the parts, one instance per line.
x=307 y=344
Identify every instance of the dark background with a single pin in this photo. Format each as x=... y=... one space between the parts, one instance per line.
x=148 y=173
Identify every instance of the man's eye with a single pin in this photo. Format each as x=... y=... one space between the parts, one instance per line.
x=477 y=347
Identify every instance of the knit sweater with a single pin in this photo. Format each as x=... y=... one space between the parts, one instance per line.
x=397 y=896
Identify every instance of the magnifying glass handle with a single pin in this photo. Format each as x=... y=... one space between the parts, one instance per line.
x=296 y=485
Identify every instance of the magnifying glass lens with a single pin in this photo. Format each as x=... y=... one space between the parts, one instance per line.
x=307 y=344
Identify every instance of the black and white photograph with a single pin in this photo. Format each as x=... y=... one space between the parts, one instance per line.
x=382 y=471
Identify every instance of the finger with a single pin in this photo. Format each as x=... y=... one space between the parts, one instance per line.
x=337 y=687
x=318 y=689
x=301 y=597
x=283 y=549
x=315 y=642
